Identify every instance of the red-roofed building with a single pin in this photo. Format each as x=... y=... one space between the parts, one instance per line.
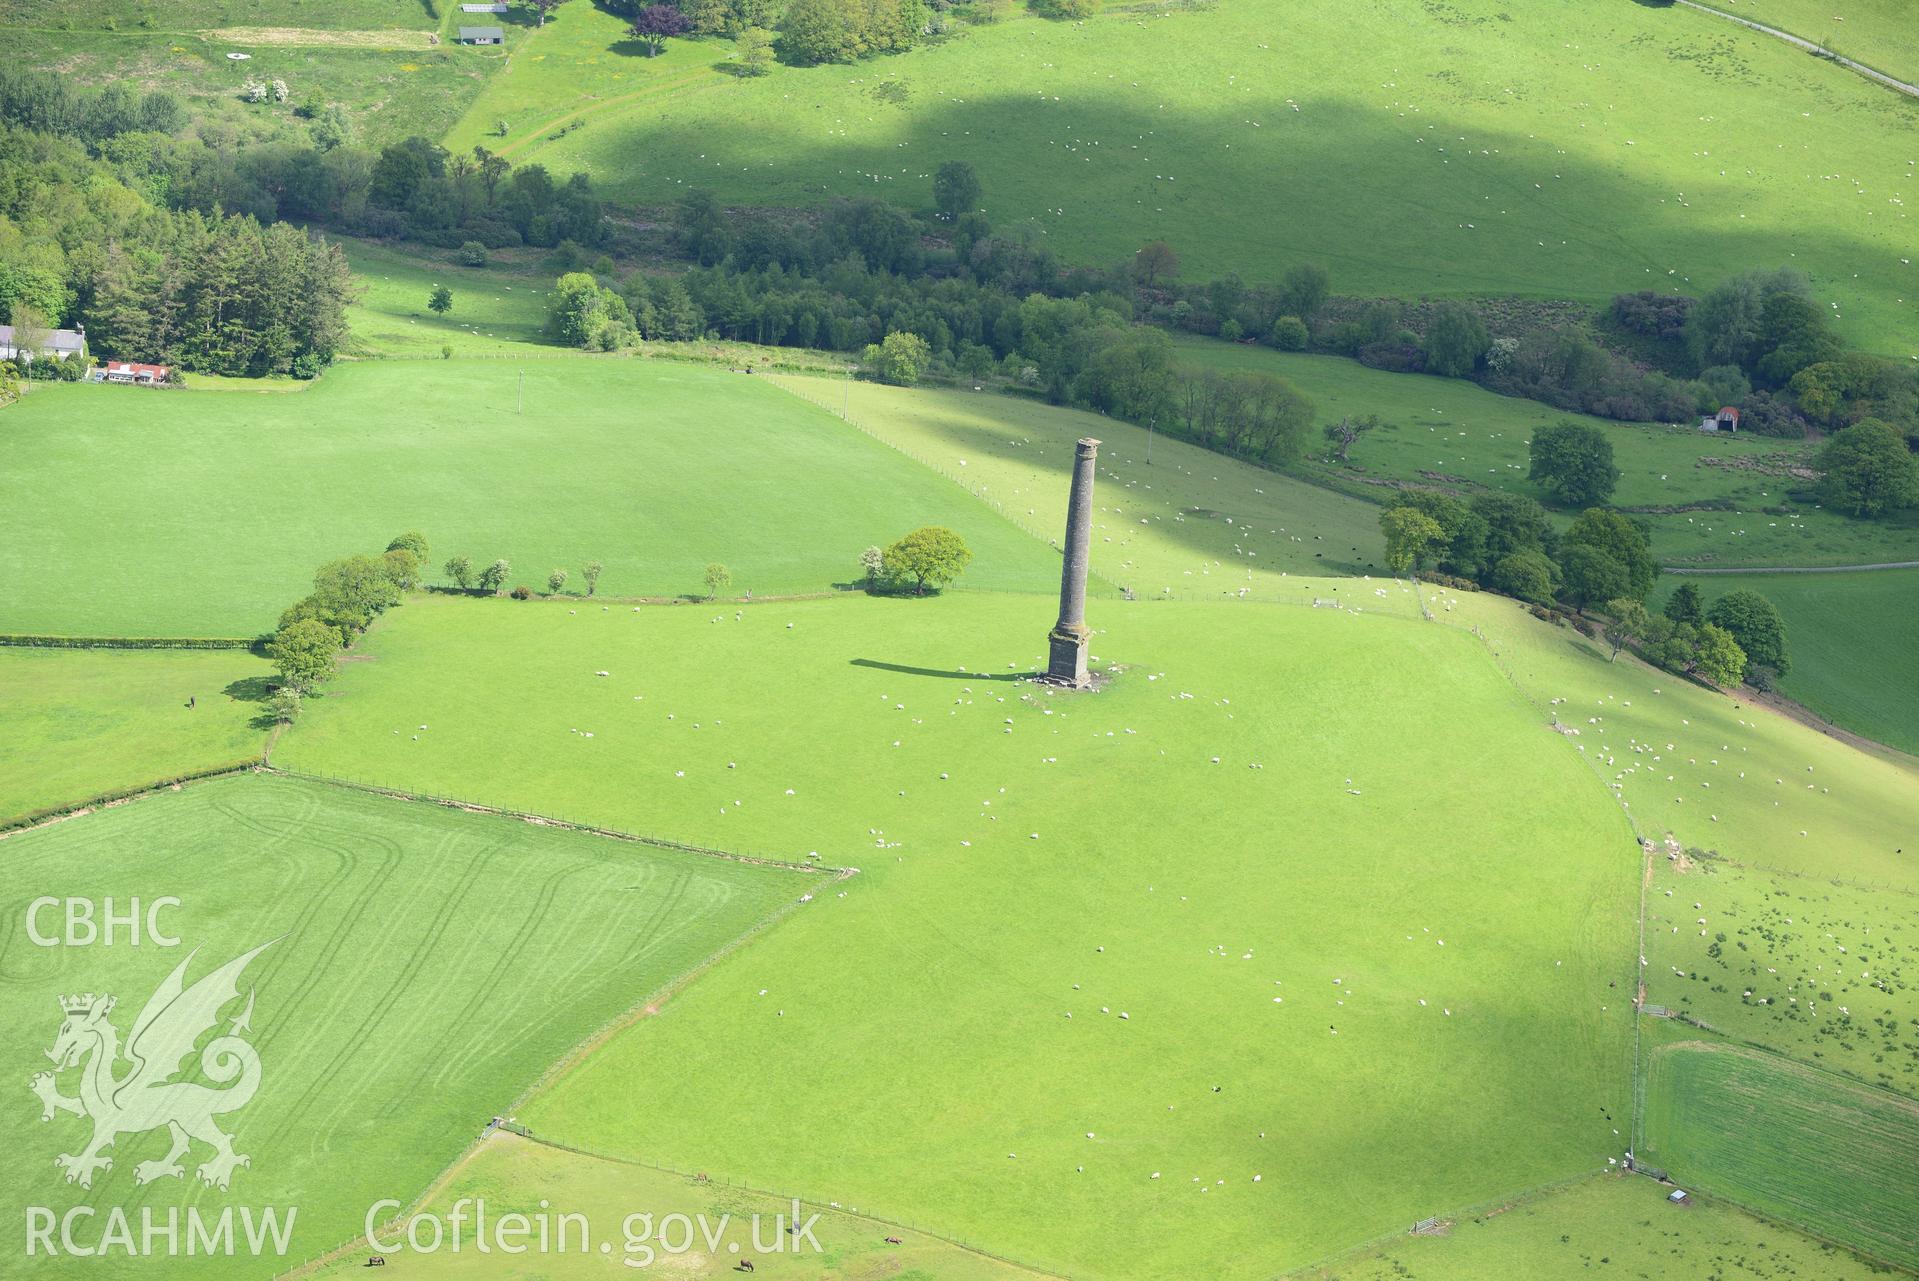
x=126 y=371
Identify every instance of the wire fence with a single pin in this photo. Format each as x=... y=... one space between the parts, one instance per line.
x=804 y=1199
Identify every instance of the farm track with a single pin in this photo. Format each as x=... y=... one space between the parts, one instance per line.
x=1817 y=50
x=1792 y=569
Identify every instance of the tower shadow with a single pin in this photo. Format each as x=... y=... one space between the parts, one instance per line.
x=943 y=675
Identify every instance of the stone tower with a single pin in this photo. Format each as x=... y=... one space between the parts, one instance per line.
x=1066 y=663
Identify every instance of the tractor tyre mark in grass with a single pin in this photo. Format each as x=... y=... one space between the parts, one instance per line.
x=349 y=1046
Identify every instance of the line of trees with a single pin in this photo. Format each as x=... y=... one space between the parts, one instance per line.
x=348 y=594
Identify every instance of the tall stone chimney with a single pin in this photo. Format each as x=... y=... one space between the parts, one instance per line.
x=1066 y=663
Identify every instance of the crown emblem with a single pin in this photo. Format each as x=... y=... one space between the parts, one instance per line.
x=82 y=1004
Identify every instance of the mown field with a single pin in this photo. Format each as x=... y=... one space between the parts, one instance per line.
x=1849 y=637
x=1790 y=1142
x=512 y=1175
x=1188 y=523
x=80 y=723
x=1300 y=985
x=1448 y=432
x=1411 y=149
x=1608 y=1226
x=653 y=468
x=432 y=966
x=1811 y=967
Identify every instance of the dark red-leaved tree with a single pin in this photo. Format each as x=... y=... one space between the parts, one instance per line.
x=655 y=23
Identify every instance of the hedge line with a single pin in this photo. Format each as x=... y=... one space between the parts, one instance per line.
x=41 y=815
x=130 y=642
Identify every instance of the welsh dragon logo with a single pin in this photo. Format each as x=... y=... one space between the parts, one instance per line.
x=146 y=1096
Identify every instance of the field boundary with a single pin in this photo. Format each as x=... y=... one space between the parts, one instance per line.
x=837 y=873
x=830 y=1206
x=20 y=640
x=48 y=815
x=1643 y=863
x=1508 y=1201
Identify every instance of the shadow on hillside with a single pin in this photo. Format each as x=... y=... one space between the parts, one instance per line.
x=941 y=674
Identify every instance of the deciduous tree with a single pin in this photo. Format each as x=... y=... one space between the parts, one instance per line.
x=1573 y=463
x=1869 y=470
x=1754 y=622
x=1155 y=262
x=1411 y=538
x=956 y=189
x=303 y=653
x=932 y=555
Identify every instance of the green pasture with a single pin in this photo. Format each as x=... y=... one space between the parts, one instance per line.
x=497 y=309
x=653 y=468
x=1450 y=433
x=388 y=93
x=511 y=1175
x=1850 y=640
x=1711 y=769
x=429 y=967
x=1609 y=1225
x=1325 y=957
x=1879 y=33
x=1188 y=523
x=79 y=723
x=1410 y=148
x=582 y=67
x=1789 y=1142
x=1813 y=968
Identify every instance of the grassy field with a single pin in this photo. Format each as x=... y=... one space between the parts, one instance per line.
x=433 y=964
x=510 y=1174
x=1411 y=148
x=1192 y=523
x=581 y=67
x=79 y=723
x=652 y=467
x=1712 y=770
x=1327 y=962
x=1813 y=969
x=1448 y=432
x=497 y=309
x=1849 y=637
x=1789 y=1142
x=388 y=93
x=1616 y=1226
x=1879 y=33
